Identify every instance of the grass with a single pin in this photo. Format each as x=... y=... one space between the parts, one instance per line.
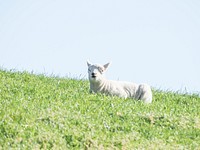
x=40 y=112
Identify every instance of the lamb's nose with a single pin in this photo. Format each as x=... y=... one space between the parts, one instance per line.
x=93 y=74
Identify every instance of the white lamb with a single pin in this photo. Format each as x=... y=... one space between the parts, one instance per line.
x=99 y=84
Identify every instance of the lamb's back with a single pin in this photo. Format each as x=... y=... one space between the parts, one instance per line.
x=122 y=88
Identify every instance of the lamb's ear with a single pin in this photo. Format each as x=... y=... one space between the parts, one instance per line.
x=89 y=63
x=106 y=66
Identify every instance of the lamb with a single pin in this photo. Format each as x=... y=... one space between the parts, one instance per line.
x=99 y=84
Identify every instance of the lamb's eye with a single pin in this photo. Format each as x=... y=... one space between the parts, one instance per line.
x=100 y=69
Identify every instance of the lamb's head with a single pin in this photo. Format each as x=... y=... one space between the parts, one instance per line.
x=95 y=72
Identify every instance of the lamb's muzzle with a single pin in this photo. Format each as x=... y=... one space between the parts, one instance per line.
x=99 y=84
x=93 y=74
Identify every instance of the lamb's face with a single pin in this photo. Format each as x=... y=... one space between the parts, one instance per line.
x=95 y=72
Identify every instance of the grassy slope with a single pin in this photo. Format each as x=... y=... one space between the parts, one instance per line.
x=42 y=112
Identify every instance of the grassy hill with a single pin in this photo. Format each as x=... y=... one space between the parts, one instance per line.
x=39 y=112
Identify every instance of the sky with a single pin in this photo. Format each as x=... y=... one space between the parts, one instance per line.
x=155 y=42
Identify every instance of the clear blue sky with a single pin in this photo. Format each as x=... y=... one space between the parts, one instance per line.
x=156 y=42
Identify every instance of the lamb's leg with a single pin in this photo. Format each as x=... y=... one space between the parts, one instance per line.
x=144 y=93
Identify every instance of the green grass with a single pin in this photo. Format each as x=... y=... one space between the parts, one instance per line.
x=39 y=112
